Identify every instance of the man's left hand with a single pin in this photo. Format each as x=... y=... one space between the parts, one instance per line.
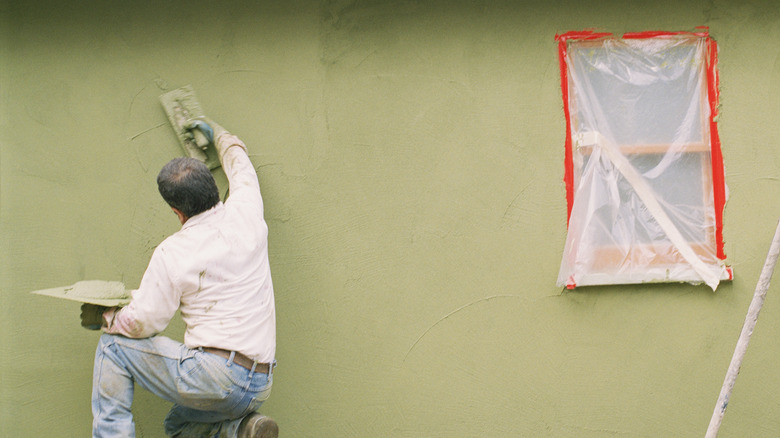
x=92 y=316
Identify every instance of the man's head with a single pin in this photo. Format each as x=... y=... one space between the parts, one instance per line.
x=187 y=186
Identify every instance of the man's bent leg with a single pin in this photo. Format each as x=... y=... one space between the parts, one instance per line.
x=249 y=392
x=120 y=361
x=112 y=395
x=205 y=388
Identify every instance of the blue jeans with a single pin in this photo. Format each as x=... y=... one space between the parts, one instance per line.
x=211 y=395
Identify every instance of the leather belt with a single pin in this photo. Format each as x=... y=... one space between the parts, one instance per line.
x=239 y=359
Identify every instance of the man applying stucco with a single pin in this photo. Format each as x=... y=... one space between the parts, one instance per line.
x=215 y=270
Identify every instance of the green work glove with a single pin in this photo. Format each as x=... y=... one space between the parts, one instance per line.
x=210 y=129
x=202 y=126
x=92 y=316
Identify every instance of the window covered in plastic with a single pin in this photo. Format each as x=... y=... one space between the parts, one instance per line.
x=643 y=169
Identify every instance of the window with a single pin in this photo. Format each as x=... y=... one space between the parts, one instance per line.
x=643 y=169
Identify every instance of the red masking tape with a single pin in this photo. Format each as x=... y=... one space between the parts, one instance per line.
x=718 y=177
x=568 y=177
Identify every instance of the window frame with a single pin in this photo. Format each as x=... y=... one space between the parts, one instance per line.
x=708 y=149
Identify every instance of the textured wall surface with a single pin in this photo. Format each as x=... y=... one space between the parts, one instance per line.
x=411 y=157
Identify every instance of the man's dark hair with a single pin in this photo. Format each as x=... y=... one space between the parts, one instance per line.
x=187 y=185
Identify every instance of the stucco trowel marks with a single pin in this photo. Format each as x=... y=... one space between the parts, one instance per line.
x=147 y=128
x=465 y=306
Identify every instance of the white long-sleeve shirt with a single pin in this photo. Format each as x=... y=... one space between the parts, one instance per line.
x=215 y=270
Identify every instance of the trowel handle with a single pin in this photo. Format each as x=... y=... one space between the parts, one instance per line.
x=200 y=138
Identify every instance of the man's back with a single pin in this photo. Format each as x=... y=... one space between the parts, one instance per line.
x=218 y=262
x=215 y=270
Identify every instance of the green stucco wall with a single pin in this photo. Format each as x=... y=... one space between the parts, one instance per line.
x=411 y=159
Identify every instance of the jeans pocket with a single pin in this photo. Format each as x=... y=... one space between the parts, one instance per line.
x=257 y=396
x=201 y=387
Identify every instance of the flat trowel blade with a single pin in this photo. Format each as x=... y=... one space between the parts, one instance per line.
x=181 y=105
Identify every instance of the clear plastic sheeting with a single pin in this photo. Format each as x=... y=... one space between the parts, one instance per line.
x=644 y=173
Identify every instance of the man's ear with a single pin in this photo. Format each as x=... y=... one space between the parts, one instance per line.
x=182 y=217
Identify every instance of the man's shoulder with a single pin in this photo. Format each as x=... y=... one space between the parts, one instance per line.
x=172 y=242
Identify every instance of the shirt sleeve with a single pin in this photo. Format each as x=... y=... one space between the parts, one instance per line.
x=239 y=170
x=153 y=305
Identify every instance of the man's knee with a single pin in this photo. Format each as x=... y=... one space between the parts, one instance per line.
x=105 y=341
x=105 y=338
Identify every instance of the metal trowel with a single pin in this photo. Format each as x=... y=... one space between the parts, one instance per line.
x=181 y=105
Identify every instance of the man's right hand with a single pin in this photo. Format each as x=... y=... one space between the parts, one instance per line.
x=201 y=125
x=92 y=316
x=210 y=129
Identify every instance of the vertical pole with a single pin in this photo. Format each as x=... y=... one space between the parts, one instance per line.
x=744 y=337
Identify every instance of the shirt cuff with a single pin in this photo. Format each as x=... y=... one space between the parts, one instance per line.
x=108 y=318
x=226 y=140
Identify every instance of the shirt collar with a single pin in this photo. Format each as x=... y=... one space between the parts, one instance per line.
x=203 y=216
